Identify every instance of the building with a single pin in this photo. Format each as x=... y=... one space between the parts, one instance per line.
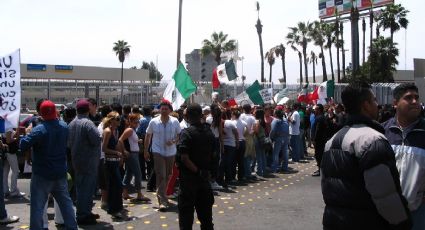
x=64 y=83
x=200 y=68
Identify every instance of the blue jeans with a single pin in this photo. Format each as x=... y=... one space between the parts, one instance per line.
x=226 y=163
x=132 y=167
x=285 y=156
x=295 y=146
x=418 y=218
x=85 y=184
x=115 y=186
x=3 y=213
x=40 y=189
x=260 y=158
x=277 y=148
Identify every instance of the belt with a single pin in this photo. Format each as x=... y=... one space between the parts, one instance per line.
x=113 y=159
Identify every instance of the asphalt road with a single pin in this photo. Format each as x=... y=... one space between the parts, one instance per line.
x=284 y=201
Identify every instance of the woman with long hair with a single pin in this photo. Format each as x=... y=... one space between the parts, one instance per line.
x=216 y=126
x=112 y=162
x=260 y=135
x=129 y=141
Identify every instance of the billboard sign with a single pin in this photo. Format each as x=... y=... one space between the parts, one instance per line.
x=64 y=68
x=36 y=67
x=330 y=8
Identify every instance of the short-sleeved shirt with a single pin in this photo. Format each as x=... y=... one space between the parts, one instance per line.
x=250 y=121
x=229 y=137
x=163 y=132
x=198 y=142
x=294 y=125
x=241 y=126
x=214 y=130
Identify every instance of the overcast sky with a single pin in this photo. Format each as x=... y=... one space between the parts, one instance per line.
x=82 y=32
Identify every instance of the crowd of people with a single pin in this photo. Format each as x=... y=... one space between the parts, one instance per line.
x=111 y=149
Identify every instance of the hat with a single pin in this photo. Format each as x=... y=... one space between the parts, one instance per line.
x=48 y=110
x=83 y=103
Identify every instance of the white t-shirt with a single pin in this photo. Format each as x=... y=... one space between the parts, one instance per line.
x=214 y=130
x=184 y=124
x=229 y=137
x=250 y=121
x=133 y=140
x=162 y=133
x=294 y=126
x=100 y=129
x=241 y=126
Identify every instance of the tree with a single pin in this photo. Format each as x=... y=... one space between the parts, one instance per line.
x=313 y=60
x=271 y=60
x=318 y=37
x=342 y=41
x=381 y=63
x=122 y=50
x=328 y=30
x=299 y=35
x=301 y=63
x=393 y=17
x=154 y=73
x=217 y=45
x=280 y=51
x=259 y=28
x=337 y=42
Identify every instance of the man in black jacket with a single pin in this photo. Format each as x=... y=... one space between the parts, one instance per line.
x=194 y=155
x=320 y=136
x=360 y=181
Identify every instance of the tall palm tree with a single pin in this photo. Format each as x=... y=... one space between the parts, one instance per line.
x=338 y=46
x=122 y=50
x=364 y=39
x=280 y=51
x=271 y=60
x=313 y=60
x=301 y=63
x=260 y=40
x=342 y=41
x=217 y=45
x=319 y=40
x=393 y=17
x=328 y=30
x=299 y=35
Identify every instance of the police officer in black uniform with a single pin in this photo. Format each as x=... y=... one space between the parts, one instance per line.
x=194 y=156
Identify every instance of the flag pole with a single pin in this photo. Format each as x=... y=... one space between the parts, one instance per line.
x=179 y=35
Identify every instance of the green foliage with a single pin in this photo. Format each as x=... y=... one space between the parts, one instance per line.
x=393 y=17
x=154 y=73
x=217 y=45
x=381 y=63
x=121 y=49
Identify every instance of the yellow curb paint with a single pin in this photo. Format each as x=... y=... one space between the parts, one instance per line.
x=244 y=189
x=24 y=227
x=277 y=182
x=230 y=208
x=241 y=203
x=130 y=205
x=250 y=200
x=286 y=185
x=273 y=190
x=215 y=206
x=163 y=217
x=220 y=212
x=291 y=183
x=235 y=198
x=297 y=180
x=164 y=225
x=146 y=222
x=226 y=202
x=258 y=197
x=145 y=207
x=250 y=192
x=258 y=190
x=129 y=213
x=242 y=196
x=130 y=227
x=280 y=188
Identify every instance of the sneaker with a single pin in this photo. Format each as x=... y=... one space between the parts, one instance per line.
x=16 y=195
x=316 y=173
x=215 y=186
x=118 y=215
x=162 y=208
x=9 y=220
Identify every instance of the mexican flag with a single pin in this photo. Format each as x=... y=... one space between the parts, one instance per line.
x=224 y=73
x=258 y=95
x=180 y=88
x=326 y=90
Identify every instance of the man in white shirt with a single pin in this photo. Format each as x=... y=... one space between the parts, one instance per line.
x=249 y=140
x=294 y=131
x=164 y=131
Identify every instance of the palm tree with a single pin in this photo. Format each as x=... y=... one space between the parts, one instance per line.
x=301 y=63
x=338 y=46
x=122 y=50
x=393 y=18
x=299 y=35
x=313 y=60
x=217 y=45
x=280 y=50
x=328 y=30
x=271 y=60
x=341 y=30
x=383 y=59
x=319 y=40
x=260 y=40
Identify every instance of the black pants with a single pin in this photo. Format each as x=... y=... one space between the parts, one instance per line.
x=115 y=186
x=215 y=159
x=319 y=148
x=239 y=160
x=195 y=194
x=151 y=185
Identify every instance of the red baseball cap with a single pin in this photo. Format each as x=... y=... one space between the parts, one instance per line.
x=48 y=110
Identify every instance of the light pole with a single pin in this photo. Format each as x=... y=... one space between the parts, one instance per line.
x=179 y=33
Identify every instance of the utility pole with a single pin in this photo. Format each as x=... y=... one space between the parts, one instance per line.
x=179 y=36
x=355 y=57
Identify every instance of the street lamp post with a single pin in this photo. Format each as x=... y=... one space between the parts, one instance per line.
x=179 y=33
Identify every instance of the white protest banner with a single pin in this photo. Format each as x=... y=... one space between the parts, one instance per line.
x=267 y=95
x=10 y=89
